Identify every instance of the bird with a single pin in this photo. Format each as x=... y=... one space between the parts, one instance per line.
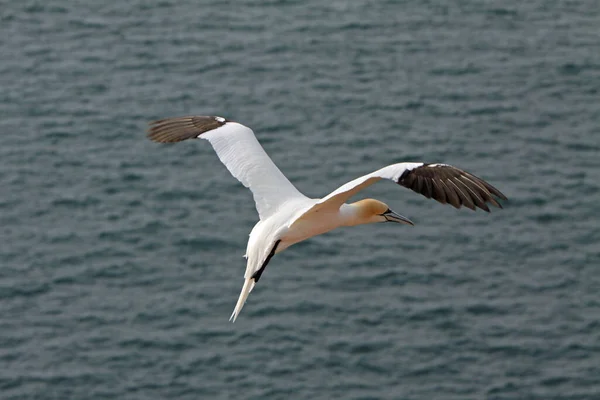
x=287 y=217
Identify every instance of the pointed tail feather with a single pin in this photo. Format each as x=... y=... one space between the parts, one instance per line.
x=246 y=289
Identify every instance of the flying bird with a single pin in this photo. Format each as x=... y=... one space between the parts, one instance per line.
x=287 y=216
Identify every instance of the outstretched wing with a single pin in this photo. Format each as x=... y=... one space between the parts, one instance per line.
x=442 y=182
x=237 y=148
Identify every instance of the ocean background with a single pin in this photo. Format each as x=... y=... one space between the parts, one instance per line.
x=121 y=259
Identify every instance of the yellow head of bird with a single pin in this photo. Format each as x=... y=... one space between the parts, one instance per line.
x=369 y=211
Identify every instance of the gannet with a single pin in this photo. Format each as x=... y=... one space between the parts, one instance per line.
x=287 y=216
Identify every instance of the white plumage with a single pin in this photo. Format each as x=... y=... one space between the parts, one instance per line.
x=254 y=169
x=287 y=216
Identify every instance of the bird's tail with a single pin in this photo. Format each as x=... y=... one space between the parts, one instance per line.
x=246 y=289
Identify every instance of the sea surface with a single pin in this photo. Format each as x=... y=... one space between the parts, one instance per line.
x=121 y=259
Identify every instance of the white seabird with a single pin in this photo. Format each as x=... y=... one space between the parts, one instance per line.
x=287 y=216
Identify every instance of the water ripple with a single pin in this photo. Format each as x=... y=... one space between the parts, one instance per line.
x=121 y=259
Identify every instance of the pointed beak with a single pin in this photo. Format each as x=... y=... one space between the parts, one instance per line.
x=391 y=216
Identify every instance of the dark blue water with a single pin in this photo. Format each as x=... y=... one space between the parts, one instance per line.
x=121 y=260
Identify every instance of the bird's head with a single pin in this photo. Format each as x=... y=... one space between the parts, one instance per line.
x=369 y=211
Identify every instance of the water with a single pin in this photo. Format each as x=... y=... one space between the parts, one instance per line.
x=120 y=259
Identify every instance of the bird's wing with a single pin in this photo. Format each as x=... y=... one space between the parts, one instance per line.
x=237 y=148
x=442 y=182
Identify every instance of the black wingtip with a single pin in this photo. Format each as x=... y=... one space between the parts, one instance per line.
x=177 y=129
x=450 y=185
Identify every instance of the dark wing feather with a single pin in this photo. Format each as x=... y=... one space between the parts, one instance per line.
x=438 y=191
x=475 y=197
x=427 y=189
x=463 y=194
x=450 y=194
x=448 y=184
x=177 y=129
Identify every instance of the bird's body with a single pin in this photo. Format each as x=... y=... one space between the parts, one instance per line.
x=287 y=216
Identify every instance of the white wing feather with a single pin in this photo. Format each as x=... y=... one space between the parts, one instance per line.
x=239 y=150
x=340 y=195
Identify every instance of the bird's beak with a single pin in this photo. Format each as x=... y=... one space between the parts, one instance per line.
x=391 y=216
